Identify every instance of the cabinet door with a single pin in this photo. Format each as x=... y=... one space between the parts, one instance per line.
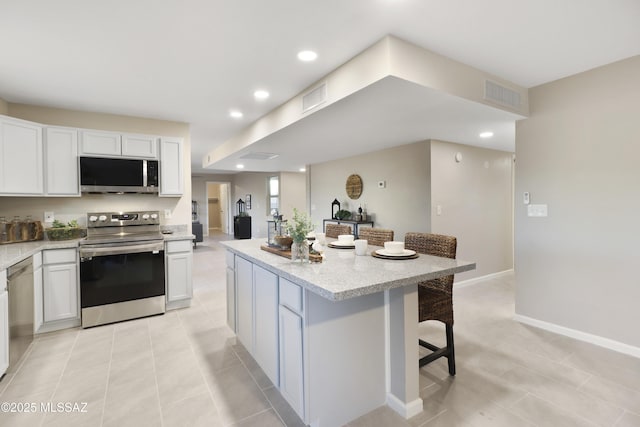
x=145 y=146
x=244 y=302
x=171 y=168
x=97 y=143
x=291 y=360
x=60 y=292
x=61 y=160
x=21 y=158
x=265 y=294
x=38 y=308
x=231 y=298
x=4 y=331
x=179 y=285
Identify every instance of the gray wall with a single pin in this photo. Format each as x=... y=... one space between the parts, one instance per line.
x=578 y=152
x=475 y=199
x=404 y=205
x=475 y=196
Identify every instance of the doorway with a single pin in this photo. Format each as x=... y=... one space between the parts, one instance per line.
x=218 y=207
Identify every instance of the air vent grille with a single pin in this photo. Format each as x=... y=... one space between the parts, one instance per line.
x=314 y=98
x=502 y=95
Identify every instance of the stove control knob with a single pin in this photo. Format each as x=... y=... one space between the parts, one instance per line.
x=93 y=218
x=102 y=217
x=154 y=216
x=145 y=216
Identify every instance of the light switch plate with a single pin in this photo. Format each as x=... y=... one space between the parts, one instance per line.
x=537 y=210
x=525 y=198
x=167 y=213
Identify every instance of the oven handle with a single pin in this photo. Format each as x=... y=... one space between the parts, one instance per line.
x=87 y=252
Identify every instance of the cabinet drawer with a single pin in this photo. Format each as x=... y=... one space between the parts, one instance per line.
x=291 y=295
x=179 y=246
x=59 y=256
x=230 y=256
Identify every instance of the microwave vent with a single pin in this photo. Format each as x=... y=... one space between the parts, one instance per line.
x=314 y=97
x=502 y=95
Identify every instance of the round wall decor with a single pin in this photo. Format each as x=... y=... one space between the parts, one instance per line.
x=354 y=186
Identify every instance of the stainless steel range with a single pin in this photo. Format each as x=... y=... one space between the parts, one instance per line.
x=122 y=274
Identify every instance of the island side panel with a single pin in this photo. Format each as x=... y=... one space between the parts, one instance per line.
x=346 y=358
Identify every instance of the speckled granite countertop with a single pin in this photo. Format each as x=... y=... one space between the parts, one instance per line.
x=344 y=275
x=16 y=252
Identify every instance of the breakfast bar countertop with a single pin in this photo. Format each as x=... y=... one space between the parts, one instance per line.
x=343 y=275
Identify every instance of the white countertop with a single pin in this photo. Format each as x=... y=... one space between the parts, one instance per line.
x=12 y=253
x=343 y=275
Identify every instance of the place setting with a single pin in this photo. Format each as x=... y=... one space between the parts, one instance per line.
x=345 y=241
x=394 y=250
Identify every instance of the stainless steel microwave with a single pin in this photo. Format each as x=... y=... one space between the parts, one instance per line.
x=107 y=175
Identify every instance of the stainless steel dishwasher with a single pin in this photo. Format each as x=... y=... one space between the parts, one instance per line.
x=20 y=288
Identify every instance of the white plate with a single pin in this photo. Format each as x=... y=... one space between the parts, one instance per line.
x=406 y=252
x=343 y=244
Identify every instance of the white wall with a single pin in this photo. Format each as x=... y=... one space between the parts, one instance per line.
x=475 y=199
x=404 y=205
x=254 y=183
x=293 y=193
x=578 y=153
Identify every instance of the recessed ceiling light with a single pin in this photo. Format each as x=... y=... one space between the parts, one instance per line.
x=302 y=170
x=307 y=55
x=236 y=114
x=486 y=134
x=261 y=94
x=240 y=166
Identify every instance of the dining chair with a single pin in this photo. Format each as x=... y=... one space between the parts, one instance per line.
x=435 y=297
x=334 y=230
x=375 y=236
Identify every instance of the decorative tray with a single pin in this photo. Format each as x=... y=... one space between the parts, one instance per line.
x=286 y=253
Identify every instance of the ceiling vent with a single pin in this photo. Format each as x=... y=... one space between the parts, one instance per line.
x=315 y=97
x=260 y=156
x=502 y=95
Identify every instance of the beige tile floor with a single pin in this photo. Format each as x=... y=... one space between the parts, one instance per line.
x=185 y=369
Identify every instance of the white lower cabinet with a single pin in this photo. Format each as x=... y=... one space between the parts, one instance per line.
x=291 y=359
x=257 y=314
x=60 y=285
x=179 y=257
x=38 y=308
x=244 y=302
x=265 y=343
x=4 y=323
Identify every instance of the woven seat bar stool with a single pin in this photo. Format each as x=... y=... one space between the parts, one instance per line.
x=376 y=236
x=334 y=230
x=435 y=297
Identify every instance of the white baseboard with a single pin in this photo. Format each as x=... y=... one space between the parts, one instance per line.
x=476 y=280
x=406 y=410
x=579 y=335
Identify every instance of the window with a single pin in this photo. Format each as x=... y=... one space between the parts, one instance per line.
x=274 y=194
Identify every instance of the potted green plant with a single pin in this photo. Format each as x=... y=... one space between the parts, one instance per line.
x=298 y=228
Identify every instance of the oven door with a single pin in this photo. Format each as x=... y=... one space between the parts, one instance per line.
x=115 y=273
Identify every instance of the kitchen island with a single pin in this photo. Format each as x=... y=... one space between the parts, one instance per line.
x=337 y=338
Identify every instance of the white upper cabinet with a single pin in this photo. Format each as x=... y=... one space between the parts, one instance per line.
x=100 y=143
x=144 y=146
x=171 y=167
x=61 y=161
x=115 y=144
x=21 y=158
